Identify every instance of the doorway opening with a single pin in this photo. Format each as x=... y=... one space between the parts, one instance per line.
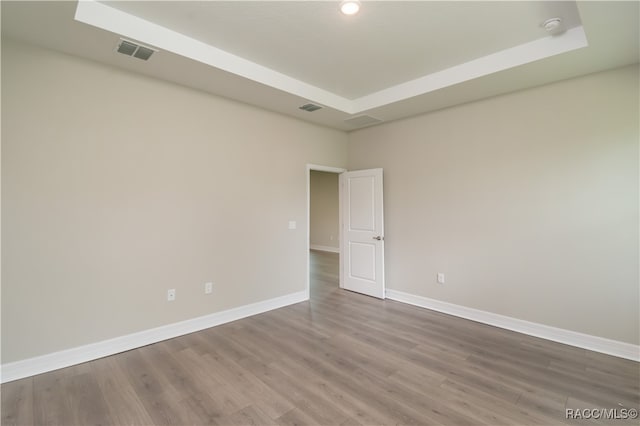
x=323 y=224
x=361 y=230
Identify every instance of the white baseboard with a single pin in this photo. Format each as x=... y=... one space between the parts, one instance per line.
x=568 y=337
x=53 y=361
x=324 y=248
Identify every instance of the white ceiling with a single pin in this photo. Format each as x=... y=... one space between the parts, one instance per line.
x=393 y=60
x=385 y=45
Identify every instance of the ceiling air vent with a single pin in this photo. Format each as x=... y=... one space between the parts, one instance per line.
x=136 y=50
x=362 y=120
x=310 y=107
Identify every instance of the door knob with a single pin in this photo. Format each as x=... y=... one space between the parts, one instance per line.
x=377 y=238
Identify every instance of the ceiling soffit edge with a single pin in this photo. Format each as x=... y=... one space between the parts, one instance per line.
x=124 y=24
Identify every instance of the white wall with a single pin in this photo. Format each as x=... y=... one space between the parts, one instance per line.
x=324 y=211
x=117 y=187
x=528 y=203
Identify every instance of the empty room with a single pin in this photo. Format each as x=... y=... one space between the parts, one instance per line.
x=320 y=212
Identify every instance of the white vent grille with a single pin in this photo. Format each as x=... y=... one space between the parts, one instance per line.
x=362 y=121
x=310 y=107
x=136 y=50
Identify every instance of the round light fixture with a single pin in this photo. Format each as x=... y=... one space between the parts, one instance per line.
x=350 y=7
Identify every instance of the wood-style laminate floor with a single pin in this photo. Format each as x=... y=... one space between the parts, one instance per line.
x=340 y=359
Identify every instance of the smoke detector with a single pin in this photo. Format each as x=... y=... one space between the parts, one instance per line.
x=553 y=26
x=130 y=48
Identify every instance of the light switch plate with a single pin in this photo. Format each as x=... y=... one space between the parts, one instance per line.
x=293 y=224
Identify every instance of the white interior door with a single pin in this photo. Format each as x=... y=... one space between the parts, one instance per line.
x=362 y=242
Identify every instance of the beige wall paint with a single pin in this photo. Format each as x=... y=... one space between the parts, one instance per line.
x=324 y=210
x=528 y=203
x=117 y=187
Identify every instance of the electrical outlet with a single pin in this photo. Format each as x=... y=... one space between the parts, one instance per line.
x=208 y=288
x=440 y=277
x=171 y=294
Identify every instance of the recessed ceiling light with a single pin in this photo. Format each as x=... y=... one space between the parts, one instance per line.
x=350 y=7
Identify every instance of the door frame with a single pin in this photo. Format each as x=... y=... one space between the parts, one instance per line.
x=319 y=168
